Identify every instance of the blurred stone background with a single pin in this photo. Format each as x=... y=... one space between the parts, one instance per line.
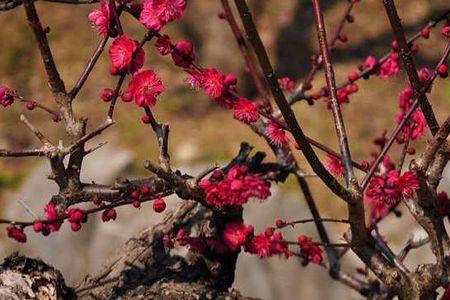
x=201 y=132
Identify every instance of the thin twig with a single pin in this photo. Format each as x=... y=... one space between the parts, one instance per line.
x=298 y=94
x=331 y=83
x=410 y=67
x=288 y=114
x=244 y=49
x=405 y=119
x=368 y=71
x=90 y=66
x=54 y=80
x=24 y=153
x=38 y=105
x=42 y=138
x=332 y=254
x=402 y=159
x=90 y=135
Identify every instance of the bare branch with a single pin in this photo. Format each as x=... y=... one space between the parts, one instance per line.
x=244 y=49
x=87 y=71
x=44 y=140
x=288 y=114
x=433 y=146
x=299 y=93
x=331 y=83
x=54 y=80
x=388 y=145
x=11 y=4
x=410 y=67
x=90 y=135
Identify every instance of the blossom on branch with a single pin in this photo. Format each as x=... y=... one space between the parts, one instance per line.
x=276 y=134
x=309 y=251
x=334 y=165
x=390 y=187
x=100 y=19
x=16 y=233
x=53 y=217
x=144 y=88
x=182 y=53
x=157 y=13
x=246 y=111
x=236 y=234
x=234 y=189
x=7 y=96
x=390 y=67
x=125 y=55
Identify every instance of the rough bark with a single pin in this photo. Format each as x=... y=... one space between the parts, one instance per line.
x=144 y=268
x=28 y=278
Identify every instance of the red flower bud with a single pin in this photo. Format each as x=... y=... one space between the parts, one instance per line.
x=280 y=223
x=353 y=76
x=269 y=231
x=145 y=119
x=442 y=70
x=38 y=226
x=109 y=214
x=159 y=205
x=135 y=195
x=31 y=105
x=106 y=94
x=145 y=189
x=425 y=33
x=75 y=226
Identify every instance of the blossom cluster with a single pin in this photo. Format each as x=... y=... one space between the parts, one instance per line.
x=391 y=187
x=7 y=96
x=234 y=188
x=220 y=87
x=237 y=235
x=54 y=218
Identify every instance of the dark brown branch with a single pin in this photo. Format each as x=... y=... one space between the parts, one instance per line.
x=115 y=16
x=332 y=254
x=94 y=210
x=288 y=114
x=116 y=95
x=388 y=145
x=331 y=83
x=410 y=67
x=244 y=49
x=162 y=135
x=90 y=135
x=23 y=153
x=54 y=80
x=404 y=121
x=41 y=137
x=402 y=159
x=11 y=4
x=433 y=146
x=87 y=71
x=369 y=71
x=299 y=93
